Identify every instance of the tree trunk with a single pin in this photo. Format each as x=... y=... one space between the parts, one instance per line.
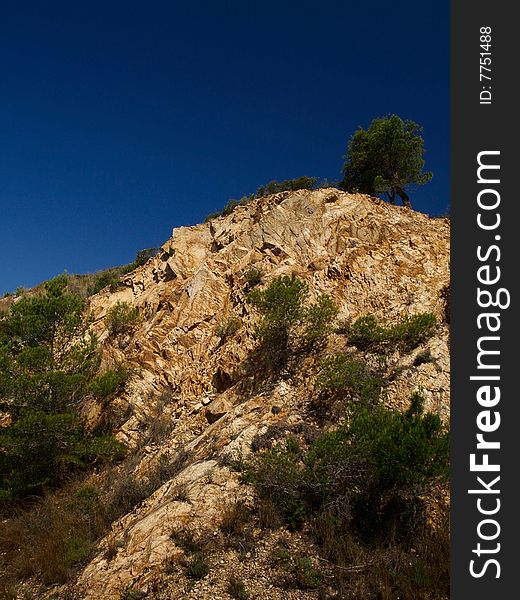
x=404 y=197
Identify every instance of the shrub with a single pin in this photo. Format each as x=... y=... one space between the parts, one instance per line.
x=305 y=574
x=378 y=456
x=237 y=589
x=281 y=305
x=253 y=278
x=125 y=494
x=403 y=449
x=197 y=566
x=109 y=383
x=413 y=331
x=367 y=333
x=341 y=373
x=122 y=318
x=102 y=280
x=228 y=328
x=143 y=256
x=234 y=519
x=318 y=320
x=277 y=476
x=274 y=187
x=185 y=539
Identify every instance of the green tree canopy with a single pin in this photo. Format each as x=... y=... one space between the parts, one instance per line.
x=385 y=159
x=49 y=361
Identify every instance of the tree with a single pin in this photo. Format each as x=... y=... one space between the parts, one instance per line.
x=49 y=362
x=385 y=159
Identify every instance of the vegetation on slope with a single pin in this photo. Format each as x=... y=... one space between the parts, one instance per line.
x=49 y=364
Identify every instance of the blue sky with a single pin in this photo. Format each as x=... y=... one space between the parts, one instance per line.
x=122 y=120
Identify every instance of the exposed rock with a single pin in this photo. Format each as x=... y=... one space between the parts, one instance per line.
x=372 y=258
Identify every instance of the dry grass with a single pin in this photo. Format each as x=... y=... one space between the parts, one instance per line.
x=50 y=539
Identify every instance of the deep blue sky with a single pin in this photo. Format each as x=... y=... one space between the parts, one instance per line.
x=121 y=120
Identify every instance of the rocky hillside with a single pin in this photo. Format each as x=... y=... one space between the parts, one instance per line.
x=198 y=399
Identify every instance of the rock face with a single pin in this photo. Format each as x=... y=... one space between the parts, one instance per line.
x=192 y=396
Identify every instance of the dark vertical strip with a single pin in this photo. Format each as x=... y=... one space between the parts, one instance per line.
x=484 y=119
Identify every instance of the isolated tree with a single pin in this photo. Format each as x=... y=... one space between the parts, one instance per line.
x=385 y=159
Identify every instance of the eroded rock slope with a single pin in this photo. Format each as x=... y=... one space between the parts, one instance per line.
x=197 y=401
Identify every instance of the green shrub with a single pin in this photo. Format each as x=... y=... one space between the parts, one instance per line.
x=274 y=187
x=376 y=456
x=197 y=566
x=122 y=318
x=109 y=383
x=341 y=373
x=306 y=575
x=102 y=280
x=143 y=256
x=318 y=320
x=278 y=476
x=413 y=331
x=367 y=333
x=282 y=307
x=237 y=589
x=403 y=449
x=228 y=328
x=41 y=450
x=253 y=278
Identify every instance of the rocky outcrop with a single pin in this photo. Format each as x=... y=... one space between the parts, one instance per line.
x=193 y=395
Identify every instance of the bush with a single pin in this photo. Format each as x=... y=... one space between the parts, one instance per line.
x=109 y=383
x=41 y=450
x=288 y=185
x=318 y=320
x=282 y=307
x=234 y=519
x=363 y=469
x=197 y=566
x=306 y=575
x=110 y=277
x=414 y=330
x=122 y=318
x=143 y=256
x=403 y=449
x=277 y=476
x=341 y=373
x=273 y=187
x=228 y=328
x=237 y=589
x=253 y=278
x=367 y=333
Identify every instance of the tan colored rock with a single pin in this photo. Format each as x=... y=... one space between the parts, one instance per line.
x=372 y=258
